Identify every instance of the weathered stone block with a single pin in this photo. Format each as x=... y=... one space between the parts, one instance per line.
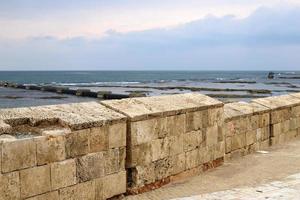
x=219 y=150
x=141 y=175
x=18 y=154
x=77 y=143
x=163 y=168
x=80 y=191
x=195 y=120
x=238 y=141
x=215 y=116
x=117 y=135
x=110 y=186
x=282 y=115
x=192 y=159
x=35 y=181
x=63 y=174
x=176 y=144
x=92 y=166
x=254 y=121
x=139 y=155
x=228 y=144
x=264 y=120
x=10 y=186
x=266 y=133
x=48 y=196
x=50 y=149
x=144 y=131
x=212 y=135
x=296 y=111
x=192 y=140
x=122 y=158
x=250 y=137
x=99 y=139
x=276 y=129
x=179 y=164
x=205 y=155
x=176 y=125
x=160 y=148
x=294 y=124
x=259 y=136
x=111 y=161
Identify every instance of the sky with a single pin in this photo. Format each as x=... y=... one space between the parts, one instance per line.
x=150 y=35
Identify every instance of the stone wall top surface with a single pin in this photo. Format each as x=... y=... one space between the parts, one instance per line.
x=238 y=109
x=75 y=116
x=141 y=108
x=279 y=102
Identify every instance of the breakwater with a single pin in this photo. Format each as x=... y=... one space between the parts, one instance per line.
x=65 y=90
x=115 y=147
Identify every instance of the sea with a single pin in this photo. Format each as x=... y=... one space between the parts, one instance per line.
x=227 y=86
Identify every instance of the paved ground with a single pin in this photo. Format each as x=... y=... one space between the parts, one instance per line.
x=270 y=174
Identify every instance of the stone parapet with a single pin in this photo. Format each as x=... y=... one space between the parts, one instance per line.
x=101 y=150
x=74 y=151
x=246 y=127
x=284 y=116
x=169 y=135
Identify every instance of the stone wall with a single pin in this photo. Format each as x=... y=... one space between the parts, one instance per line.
x=284 y=117
x=101 y=150
x=246 y=127
x=169 y=135
x=74 y=151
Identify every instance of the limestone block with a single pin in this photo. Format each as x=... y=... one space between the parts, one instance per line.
x=212 y=134
x=250 y=137
x=259 y=136
x=112 y=159
x=176 y=125
x=163 y=168
x=142 y=175
x=77 y=143
x=294 y=124
x=63 y=174
x=296 y=111
x=90 y=166
x=221 y=135
x=80 y=191
x=196 y=120
x=228 y=141
x=160 y=148
x=266 y=133
x=215 y=116
x=179 y=164
x=192 y=140
x=99 y=139
x=219 y=150
x=278 y=116
x=291 y=135
x=176 y=144
x=205 y=154
x=229 y=128
x=286 y=126
x=144 y=131
x=48 y=196
x=10 y=186
x=122 y=158
x=276 y=129
x=117 y=135
x=238 y=141
x=247 y=123
x=254 y=121
x=35 y=181
x=192 y=159
x=110 y=186
x=18 y=154
x=50 y=149
x=139 y=155
x=264 y=120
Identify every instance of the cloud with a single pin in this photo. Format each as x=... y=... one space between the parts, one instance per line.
x=268 y=39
